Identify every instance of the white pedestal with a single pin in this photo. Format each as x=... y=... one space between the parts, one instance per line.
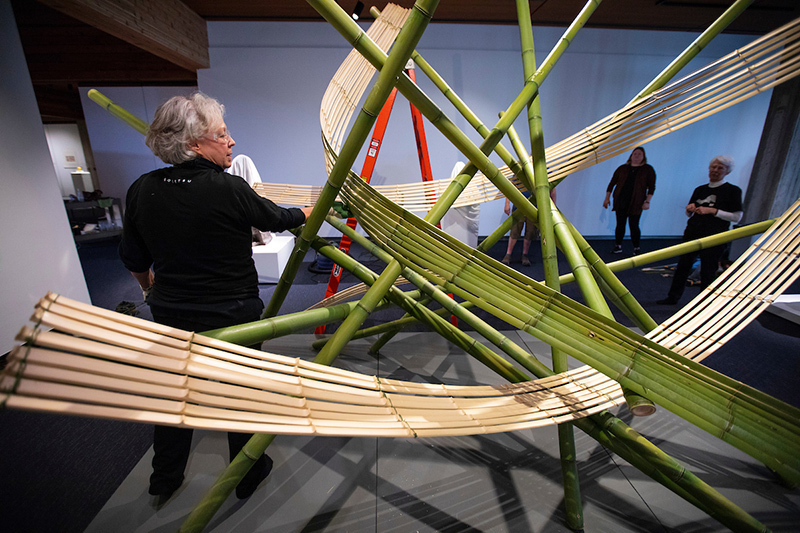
x=271 y=258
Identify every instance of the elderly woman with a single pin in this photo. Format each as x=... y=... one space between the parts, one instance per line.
x=711 y=210
x=633 y=185
x=191 y=223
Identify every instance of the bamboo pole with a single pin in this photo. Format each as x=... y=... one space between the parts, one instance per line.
x=257 y=332
x=717 y=27
x=128 y=118
x=683 y=248
x=395 y=62
x=566 y=438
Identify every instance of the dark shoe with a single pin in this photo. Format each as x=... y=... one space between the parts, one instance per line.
x=163 y=490
x=252 y=479
x=506 y=260
x=636 y=251
x=617 y=249
x=160 y=501
x=525 y=261
x=161 y=495
x=667 y=301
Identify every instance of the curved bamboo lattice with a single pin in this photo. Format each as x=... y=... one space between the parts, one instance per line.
x=99 y=363
x=733 y=300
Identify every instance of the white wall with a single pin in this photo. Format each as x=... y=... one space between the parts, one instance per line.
x=37 y=252
x=66 y=152
x=271 y=77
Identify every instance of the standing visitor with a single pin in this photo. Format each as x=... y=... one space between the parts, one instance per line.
x=711 y=209
x=187 y=241
x=633 y=185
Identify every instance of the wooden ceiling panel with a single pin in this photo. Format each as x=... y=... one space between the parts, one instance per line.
x=761 y=17
x=166 y=28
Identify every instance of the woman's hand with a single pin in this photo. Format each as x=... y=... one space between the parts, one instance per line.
x=705 y=210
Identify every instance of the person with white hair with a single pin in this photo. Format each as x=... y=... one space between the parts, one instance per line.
x=186 y=240
x=711 y=210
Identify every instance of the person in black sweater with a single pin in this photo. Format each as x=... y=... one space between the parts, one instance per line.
x=633 y=185
x=187 y=241
x=711 y=210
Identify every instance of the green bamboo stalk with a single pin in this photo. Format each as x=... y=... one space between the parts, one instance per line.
x=398 y=324
x=129 y=118
x=716 y=505
x=487 y=243
x=683 y=248
x=580 y=268
x=625 y=300
x=395 y=62
x=693 y=49
x=262 y=330
x=566 y=438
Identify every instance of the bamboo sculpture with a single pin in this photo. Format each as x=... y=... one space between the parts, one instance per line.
x=81 y=360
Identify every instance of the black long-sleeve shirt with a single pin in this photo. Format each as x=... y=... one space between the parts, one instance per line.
x=191 y=223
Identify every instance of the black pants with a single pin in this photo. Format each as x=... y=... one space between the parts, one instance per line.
x=633 y=222
x=171 y=445
x=709 y=263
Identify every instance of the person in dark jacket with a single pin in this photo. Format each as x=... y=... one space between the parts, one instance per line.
x=711 y=209
x=633 y=185
x=187 y=241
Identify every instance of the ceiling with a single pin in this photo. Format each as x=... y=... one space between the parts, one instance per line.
x=64 y=53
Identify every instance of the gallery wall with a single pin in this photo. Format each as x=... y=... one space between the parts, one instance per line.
x=271 y=77
x=37 y=252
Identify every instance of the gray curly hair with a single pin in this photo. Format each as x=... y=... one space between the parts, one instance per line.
x=725 y=160
x=179 y=121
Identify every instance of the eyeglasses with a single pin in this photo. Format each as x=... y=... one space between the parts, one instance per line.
x=224 y=137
